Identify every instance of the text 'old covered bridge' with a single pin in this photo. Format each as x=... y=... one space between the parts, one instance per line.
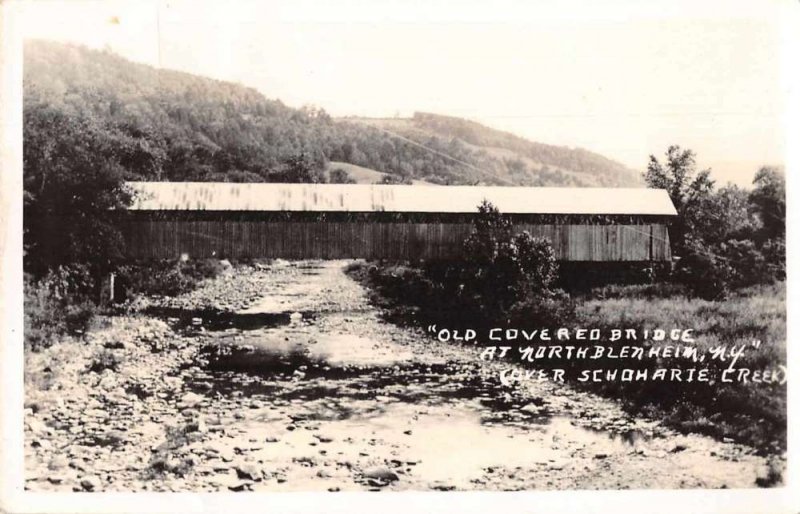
x=333 y=221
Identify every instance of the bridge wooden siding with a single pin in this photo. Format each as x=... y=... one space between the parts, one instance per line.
x=333 y=221
x=150 y=238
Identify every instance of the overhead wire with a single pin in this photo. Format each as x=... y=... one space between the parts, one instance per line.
x=442 y=154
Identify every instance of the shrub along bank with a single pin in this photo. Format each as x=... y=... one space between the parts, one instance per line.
x=65 y=301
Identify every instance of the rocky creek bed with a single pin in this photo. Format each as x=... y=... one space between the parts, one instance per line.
x=284 y=378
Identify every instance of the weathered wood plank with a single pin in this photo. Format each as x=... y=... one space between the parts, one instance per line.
x=326 y=240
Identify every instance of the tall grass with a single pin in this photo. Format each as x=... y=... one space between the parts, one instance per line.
x=752 y=413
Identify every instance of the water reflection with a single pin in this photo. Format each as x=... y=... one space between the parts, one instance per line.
x=194 y=320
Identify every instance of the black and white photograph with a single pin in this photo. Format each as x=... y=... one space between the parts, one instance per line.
x=380 y=247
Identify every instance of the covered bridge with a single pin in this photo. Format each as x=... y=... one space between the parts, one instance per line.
x=333 y=221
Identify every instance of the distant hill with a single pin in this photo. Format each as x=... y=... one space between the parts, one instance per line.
x=506 y=156
x=169 y=125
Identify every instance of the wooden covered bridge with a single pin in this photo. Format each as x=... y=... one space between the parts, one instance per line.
x=335 y=221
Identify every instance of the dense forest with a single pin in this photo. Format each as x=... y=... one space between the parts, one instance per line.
x=167 y=125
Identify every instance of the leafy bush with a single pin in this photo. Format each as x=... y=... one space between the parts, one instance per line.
x=521 y=268
x=746 y=263
x=57 y=304
x=166 y=277
x=78 y=317
x=774 y=251
x=340 y=176
x=704 y=273
x=773 y=476
x=580 y=277
x=711 y=272
x=41 y=326
x=769 y=201
x=652 y=291
x=201 y=269
x=502 y=269
x=104 y=360
x=396 y=179
x=504 y=277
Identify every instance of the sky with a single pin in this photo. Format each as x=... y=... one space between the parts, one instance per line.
x=622 y=78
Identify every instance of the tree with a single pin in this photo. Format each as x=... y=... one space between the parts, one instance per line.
x=769 y=199
x=235 y=175
x=72 y=180
x=490 y=229
x=502 y=270
x=340 y=176
x=687 y=188
x=395 y=179
x=727 y=238
x=301 y=168
x=726 y=214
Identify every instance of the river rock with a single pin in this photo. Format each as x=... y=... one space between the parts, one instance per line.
x=90 y=483
x=248 y=470
x=58 y=462
x=226 y=454
x=109 y=382
x=533 y=409
x=190 y=400
x=557 y=464
x=381 y=473
x=36 y=426
x=239 y=486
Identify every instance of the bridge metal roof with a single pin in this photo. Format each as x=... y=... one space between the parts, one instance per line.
x=227 y=196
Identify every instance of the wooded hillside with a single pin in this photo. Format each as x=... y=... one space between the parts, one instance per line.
x=168 y=125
